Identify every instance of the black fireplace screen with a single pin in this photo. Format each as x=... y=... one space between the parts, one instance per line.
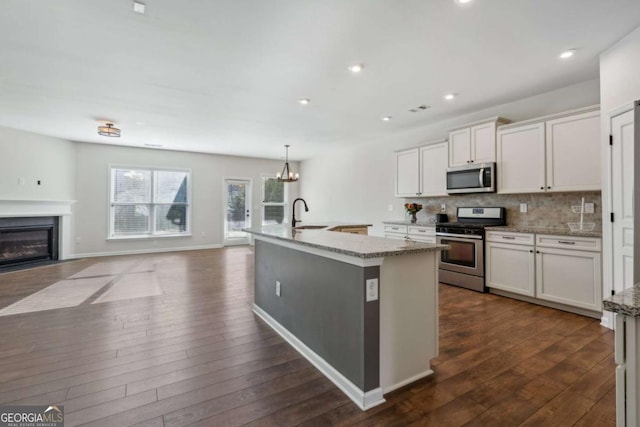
x=27 y=240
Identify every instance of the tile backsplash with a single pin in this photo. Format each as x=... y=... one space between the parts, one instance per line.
x=551 y=210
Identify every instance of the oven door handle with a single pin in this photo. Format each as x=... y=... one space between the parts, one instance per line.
x=459 y=236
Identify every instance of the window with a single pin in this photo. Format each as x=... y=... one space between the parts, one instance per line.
x=149 y=202
x=274 y=201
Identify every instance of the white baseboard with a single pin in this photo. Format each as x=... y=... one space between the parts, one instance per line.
x=144 y=251
x=363 y=400
x=408 y=381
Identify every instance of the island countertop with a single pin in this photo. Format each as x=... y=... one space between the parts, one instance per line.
x=626 y=302
x=360 y=246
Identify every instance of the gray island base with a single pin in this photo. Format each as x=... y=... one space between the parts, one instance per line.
x=362 y=309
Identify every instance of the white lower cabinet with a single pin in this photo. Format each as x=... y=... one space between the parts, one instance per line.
x=571 y=277
x=417 y=233
x=560 y=269
x=511 y=267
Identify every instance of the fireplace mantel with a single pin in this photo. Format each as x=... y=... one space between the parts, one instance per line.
x=28 y=208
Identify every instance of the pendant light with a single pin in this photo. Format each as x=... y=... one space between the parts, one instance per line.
x=286 y=175
x=109 y=130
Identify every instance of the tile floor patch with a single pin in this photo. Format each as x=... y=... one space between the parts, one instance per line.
x=65 y=293
x=111 y=268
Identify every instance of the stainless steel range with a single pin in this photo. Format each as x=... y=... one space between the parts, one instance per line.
x=463 y=264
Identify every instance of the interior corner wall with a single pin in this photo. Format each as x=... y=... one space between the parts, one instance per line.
x=356 y=183
x=26 y=158
x=207 y=174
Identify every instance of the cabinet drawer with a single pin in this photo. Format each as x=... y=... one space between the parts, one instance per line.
x=509 y=237
x=395 y=229
x=423 y=239
x=569 y=242
x=397 y=236
x=416 y=231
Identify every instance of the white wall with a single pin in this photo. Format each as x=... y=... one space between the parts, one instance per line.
x=619 y=86
x=357 y=183
x=32 y=157
x=208 y=171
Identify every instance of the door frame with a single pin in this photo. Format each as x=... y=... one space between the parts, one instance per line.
x=248 y=203
x=607 y=199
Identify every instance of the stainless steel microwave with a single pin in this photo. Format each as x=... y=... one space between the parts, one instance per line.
x=472 y=178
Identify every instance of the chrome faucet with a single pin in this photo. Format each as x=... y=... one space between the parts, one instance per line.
x=294 y=221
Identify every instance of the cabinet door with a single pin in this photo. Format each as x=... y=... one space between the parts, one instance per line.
x=408 y=173
x=573 y=153
x=460 y=147
x=520 y=159
x=483 y=143
x=433 y=169
x=569 y=277
x=511 y=268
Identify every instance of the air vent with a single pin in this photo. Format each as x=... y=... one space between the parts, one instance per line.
x=153 y=145
x=419 y=108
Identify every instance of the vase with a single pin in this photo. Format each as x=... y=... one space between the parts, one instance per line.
x=413 y=218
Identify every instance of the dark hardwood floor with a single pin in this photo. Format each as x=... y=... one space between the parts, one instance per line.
x=196 y=355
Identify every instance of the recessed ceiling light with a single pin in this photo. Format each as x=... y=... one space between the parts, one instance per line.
x=304 y=101
x=386 y=118
x=449 y=96
x=463 y=1
x=567 y=53
x=356 y=68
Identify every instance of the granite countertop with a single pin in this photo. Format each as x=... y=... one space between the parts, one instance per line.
x=356 y=245
x=565 y=231
x=408 y=222
x=626 y=302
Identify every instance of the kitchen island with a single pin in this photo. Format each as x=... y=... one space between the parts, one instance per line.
x=362 y=309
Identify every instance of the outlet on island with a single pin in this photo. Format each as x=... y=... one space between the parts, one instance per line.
x=372 y=290
x=278 y=288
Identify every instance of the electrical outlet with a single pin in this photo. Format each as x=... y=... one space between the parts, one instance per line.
x=278 y=288
x=443 y=207
x=589 y=208
x=372 y=290
x=523 y=207
x=20 y=181
x=390 y=208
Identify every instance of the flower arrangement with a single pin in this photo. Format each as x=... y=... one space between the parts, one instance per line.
x=413 y=208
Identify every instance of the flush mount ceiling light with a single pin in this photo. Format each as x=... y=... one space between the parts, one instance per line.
x=450 y=96
x=356 y=68
x=463 y=1
x=386 y=118
x=109 y=130
x=567 y=54
x=304 y=101
x=286 y=175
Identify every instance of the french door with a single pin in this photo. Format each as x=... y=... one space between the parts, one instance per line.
x=237 y=211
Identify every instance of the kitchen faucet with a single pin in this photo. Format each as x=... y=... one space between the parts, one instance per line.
x=306 y=209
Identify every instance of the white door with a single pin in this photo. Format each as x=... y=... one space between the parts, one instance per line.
x=520 y=159
x=483 y=143
x=433 y=169
x=573 y=152
x=622 y=130
x=237 y=211
x=408 y=173
x=460 y=147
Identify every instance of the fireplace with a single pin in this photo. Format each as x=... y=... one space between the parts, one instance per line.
x=28 y=240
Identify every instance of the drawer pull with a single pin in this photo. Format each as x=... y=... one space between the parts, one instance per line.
x=421 y=231
x=566 y=242
x=395 y=228
x=509 y=237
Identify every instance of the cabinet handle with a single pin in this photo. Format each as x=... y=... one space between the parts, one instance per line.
x=509 y=237
x=548 y=188
x=470 y=161
x=566 y=242
x=537 y=252
x=542 y=188
x=531 y=251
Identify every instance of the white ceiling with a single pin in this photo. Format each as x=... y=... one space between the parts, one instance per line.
x=225 y=76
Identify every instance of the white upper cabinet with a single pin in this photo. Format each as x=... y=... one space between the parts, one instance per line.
x=422 y=172
x=556 y=153
x=433 y=167
x=520 y=159
x=573 y=152
x=408 y=173
x=474 y=144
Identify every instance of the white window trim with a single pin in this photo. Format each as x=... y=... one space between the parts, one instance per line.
x=151 y=235
x=264 y=204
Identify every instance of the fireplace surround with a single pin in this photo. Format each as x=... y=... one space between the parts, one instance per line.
x=27 y=240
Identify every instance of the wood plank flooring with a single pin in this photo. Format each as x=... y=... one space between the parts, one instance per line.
x=196 y=355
